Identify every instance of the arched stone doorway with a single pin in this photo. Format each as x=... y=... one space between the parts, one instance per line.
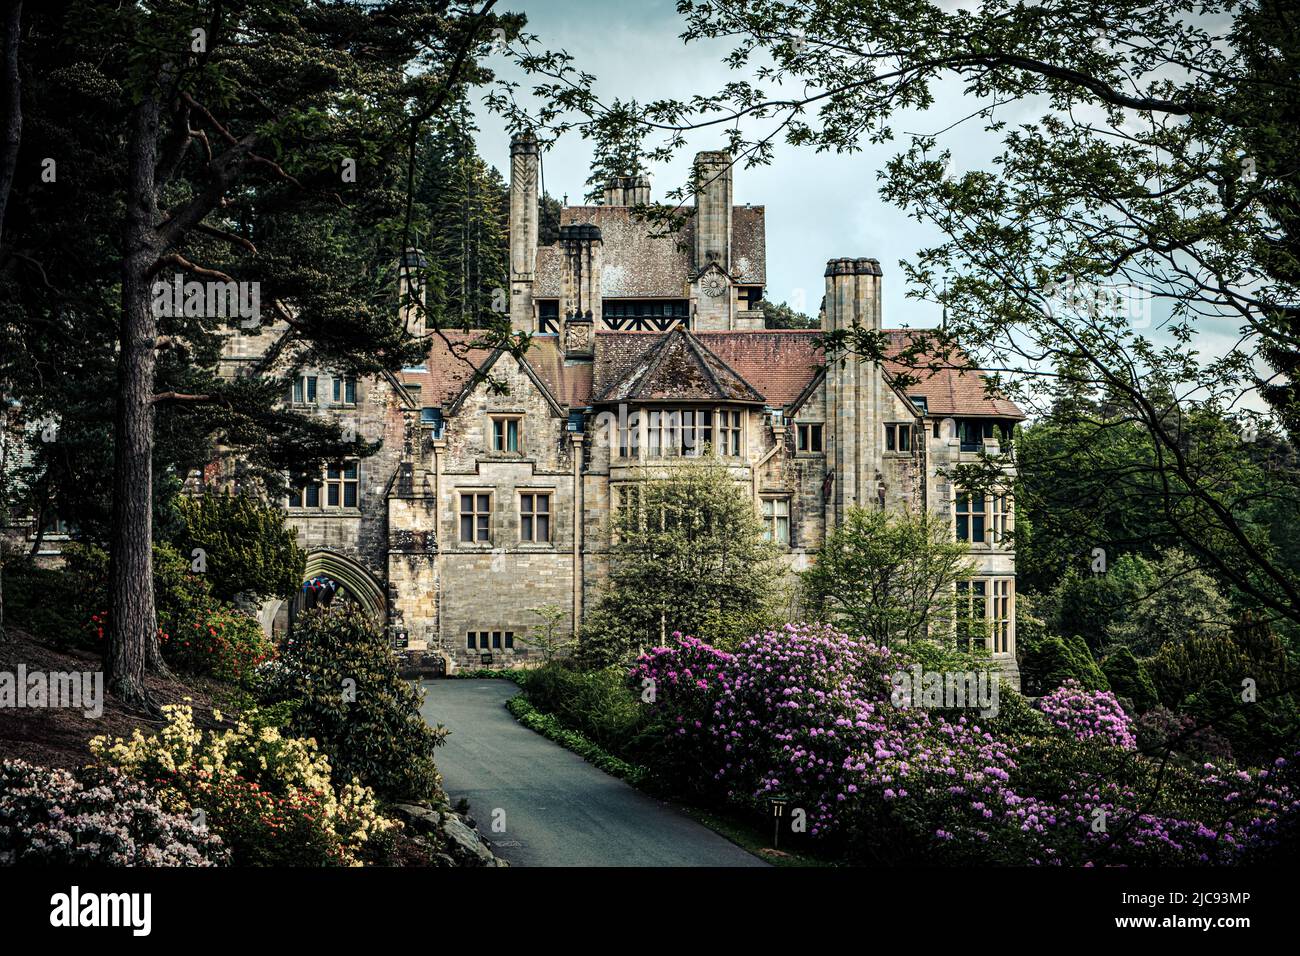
x=331 y=577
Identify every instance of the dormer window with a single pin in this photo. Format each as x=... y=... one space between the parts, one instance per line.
x=921 y=402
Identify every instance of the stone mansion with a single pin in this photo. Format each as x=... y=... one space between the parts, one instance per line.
x=483 y=505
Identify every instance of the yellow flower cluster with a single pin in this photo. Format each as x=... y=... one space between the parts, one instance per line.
x=286 y=766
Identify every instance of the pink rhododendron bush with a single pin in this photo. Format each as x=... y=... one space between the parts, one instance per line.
x=96 y=816
x=806 y=713
x=1088 y=715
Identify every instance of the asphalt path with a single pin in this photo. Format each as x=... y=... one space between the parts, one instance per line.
x=556 y=809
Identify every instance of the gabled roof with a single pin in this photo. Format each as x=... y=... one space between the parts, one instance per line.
x=778 y=363
x=950 y=384
x=568 y=382
x=673 y=366
x=776 y=367
x=454 y=361
x=451 y=363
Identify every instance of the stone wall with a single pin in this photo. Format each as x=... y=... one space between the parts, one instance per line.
x=495 y=585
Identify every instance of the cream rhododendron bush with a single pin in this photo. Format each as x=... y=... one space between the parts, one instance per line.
x=252 y=784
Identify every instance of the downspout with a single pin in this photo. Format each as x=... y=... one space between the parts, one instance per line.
x=436 y=445
x=579 y=524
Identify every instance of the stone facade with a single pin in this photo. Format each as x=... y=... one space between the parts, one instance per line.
x=485 y=503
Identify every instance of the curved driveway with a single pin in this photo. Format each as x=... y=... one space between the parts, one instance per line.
x=557 y=809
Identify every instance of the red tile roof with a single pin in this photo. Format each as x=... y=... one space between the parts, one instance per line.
x=451 y=363
x=950 y=384
x=676 y=366
x=778 y=364
x=568 y=382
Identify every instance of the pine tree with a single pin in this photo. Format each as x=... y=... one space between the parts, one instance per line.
x=466 y=205
x=265 y=144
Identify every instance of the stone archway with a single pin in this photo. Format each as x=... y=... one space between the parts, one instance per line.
x=267 y=613
x=331 y=576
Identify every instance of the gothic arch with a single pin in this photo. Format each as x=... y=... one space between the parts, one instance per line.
x=360 y=583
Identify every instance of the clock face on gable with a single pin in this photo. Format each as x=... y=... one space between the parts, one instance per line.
x=713 y=284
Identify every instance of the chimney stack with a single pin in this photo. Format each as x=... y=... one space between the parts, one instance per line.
x=713 y=210
x=523 y=230
x=852 y=294
x=628 y=190
x=580 y=293
x=855 y=392
x=411 y=291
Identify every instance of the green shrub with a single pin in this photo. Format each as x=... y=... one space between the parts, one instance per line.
x=354 y=702
x=1181 y=669
x=47 y=604
x=1129 y=680
x=220 y=642
x=1090 y=605
x=248 y=547
x=1016 y=716
x=179 y=594
x=1048 y=663
x=596 y=703
x=550 y=727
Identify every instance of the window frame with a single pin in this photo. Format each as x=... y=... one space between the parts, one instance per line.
x=532 y=515
x=344 y=390
x=964 y=520
x=972 y=588
x=342 y=479
x=1000 y=511
x=305 y=390
x=490 y=640
x=1001 y=610
x=502 y=421
x=338 y=482
x=804 y=432
x=895 y=434
x=478 y=516
x=772 y=518
x=729 y=426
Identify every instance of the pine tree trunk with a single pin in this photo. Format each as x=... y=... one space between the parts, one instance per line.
x=134 y=630
x=13 y=106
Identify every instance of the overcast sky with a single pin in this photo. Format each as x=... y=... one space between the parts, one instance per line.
x=819 y=206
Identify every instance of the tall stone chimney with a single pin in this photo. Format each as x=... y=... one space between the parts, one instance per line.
x=628 y=190
x=855 y=390
x=523 y=230
x=713 y=210
x=411 y=291
x=714 y=294
x=580 y=296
